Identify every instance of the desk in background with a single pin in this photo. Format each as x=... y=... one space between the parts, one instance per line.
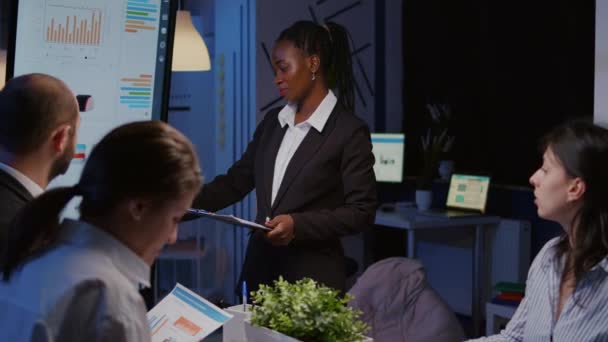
x=411 y=221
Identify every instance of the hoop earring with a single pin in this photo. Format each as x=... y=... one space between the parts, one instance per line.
x=314 y=76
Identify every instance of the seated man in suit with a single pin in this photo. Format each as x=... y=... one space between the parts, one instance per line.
x=39 y=118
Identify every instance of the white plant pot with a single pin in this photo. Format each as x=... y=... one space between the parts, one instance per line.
x=234 y=329
x=260 y=334
x=424 y=198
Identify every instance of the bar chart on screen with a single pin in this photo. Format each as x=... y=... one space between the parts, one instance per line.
x=141 y=16
x=135 y=92
x=121 y=73
x=78 y=31
x=80 y=153
x=73 y=25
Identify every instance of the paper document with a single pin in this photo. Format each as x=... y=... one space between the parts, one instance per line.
x=184 y=316
x=228 y=219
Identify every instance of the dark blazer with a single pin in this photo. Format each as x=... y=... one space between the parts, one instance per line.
x=329 y=189
x=13 y=196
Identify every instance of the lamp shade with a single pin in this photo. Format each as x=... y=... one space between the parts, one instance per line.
x=2 y=67
x=189 y=50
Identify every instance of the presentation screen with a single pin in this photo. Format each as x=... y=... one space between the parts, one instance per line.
x=114 y=55
x=388 y=149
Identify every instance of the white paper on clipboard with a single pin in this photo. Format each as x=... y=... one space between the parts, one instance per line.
x=228 y=219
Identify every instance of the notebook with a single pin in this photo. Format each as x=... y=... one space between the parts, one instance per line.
x=467 y=196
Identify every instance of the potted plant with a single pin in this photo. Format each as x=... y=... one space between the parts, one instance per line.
x=433 y=148
x=441 y=115
x=303 y=311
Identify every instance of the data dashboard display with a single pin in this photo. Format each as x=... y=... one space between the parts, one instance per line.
x=114 y=55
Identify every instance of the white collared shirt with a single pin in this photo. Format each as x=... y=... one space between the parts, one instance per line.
x=296 y=133
x=31 y=186
x=83 y=253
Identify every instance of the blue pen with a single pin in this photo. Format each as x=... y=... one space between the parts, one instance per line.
x=244 y=296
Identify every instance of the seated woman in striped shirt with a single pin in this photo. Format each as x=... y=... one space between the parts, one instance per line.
x=567 y=287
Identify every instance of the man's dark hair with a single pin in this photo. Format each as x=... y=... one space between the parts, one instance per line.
x=31 y=107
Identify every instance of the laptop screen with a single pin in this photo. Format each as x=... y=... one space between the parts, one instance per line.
x=468 y=192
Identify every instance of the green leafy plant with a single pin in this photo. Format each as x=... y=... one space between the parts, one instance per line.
x=436 y=144
x=432 y=149
x=441 y=115
x=307 y=311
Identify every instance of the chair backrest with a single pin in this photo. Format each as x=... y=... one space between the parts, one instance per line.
x=399 y=305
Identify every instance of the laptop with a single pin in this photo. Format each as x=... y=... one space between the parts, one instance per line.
x=467 y=196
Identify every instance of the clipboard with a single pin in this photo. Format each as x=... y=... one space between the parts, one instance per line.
x=228 y=219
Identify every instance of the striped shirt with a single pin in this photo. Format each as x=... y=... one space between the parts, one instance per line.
x=584 y=317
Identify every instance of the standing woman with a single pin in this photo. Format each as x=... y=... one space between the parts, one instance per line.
x=310 y=162
x=81 y=277
x=567 y=286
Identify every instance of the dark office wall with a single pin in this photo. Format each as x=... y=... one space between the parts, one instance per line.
x=359 y=19
x=511 y=70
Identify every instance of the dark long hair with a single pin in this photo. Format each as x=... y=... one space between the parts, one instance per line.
x=582 y=149
x=331 y=44
x=143 y=159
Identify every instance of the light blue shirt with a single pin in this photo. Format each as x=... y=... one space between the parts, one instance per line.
x=584 y=318
x=84 y=253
